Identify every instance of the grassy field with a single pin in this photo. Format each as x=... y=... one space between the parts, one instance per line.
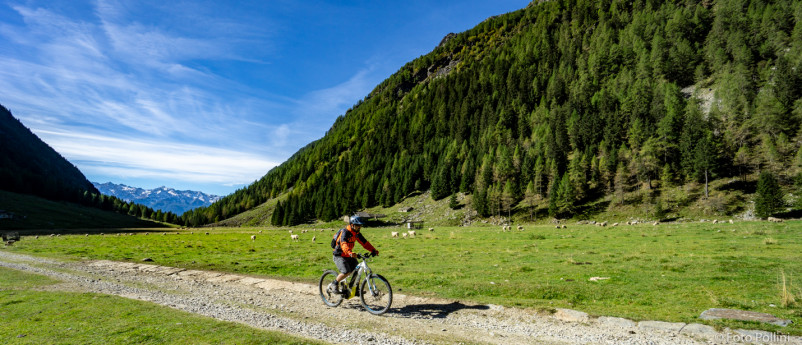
x=670 y=272
x=29 y=316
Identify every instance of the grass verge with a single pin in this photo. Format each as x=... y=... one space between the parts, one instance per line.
x=29 y=316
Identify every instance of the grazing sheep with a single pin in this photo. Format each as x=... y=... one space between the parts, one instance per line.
x=404 y=235
x=253 y=237
x=656 y=223
x=313 y=238
x=557 y=227
x=260 y=231
x=731 y=222
x=290 y=231
x=615 y=224
x=565 y=226
x=775 y=220
x=411 y=233
x=520 y=227
x=294 y=237
x=37 y=237
x=715 y=221
x=431 y=229
x=394 y=234
x=206 y=233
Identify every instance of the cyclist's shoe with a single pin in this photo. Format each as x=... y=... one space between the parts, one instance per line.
x=334 y=287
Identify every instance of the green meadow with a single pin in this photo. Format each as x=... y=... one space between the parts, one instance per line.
x=669 y=272
x=29 y=315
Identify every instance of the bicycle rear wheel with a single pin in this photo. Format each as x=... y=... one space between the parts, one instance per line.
x=376 y=294
x=330 y=298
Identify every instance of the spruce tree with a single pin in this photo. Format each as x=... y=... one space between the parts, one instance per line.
x=452 y=202
x=769 y=196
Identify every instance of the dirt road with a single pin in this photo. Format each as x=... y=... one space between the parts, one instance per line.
x=296 y=308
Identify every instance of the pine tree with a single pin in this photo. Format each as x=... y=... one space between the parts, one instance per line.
x=565 y=197
x=452 y=202
x=769 y=196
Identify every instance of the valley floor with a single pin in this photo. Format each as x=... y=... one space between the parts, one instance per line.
x=295 y=308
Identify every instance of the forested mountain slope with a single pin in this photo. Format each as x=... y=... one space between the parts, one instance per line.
x=564 y=101
x=30 y=166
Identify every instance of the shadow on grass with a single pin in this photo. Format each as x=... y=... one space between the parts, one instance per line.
x=747 y=187
x=433 y=310
x=790 y=214
x=588 y=211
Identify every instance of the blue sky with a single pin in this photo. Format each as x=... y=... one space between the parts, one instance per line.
x=205 y=95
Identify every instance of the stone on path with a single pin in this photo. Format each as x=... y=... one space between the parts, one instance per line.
x=569 y=315
x=661 y=326
x=742 y=315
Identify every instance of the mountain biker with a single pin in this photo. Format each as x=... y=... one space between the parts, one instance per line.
x=343 y=255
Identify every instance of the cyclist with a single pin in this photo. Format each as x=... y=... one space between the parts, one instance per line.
x=343 y=255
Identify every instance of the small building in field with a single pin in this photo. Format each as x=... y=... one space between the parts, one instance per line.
x=413 y=224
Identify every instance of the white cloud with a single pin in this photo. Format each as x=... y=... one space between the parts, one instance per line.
x=121 y=97
x=132 y=158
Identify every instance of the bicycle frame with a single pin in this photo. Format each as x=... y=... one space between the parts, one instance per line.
x=362 y=270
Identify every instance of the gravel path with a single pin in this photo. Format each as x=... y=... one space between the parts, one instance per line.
x=295 y=308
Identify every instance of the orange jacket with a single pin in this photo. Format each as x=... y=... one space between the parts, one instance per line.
x=345 y=243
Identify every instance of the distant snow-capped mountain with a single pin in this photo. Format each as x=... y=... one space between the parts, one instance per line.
x=162 y=198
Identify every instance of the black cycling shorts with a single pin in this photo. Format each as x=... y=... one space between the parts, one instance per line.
x=345 y=265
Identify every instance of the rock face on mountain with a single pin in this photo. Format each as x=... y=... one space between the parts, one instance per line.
x=162 y=198
x=29 y=166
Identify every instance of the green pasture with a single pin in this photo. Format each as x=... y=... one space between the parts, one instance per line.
x=669 y=272
x=29 y=315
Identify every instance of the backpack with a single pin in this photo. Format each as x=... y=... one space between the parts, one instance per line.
x=334 y=243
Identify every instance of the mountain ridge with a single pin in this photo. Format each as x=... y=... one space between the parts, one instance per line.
x=28 y=165
x=562 y=108
x=160 y=198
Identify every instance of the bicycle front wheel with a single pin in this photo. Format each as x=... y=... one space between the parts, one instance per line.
x=376 y=294
x=330 y=298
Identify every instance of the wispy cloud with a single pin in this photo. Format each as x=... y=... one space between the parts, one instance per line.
x=109 y=76
x=164 y=91
x=158 y=159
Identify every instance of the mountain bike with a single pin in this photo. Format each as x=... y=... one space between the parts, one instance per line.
x=374 y=292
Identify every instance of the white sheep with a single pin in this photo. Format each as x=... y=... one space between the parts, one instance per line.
x=775 y=220
x=404 y=235
x=431 y=229
x=294 y=237
x=731 y=222
x=411 y=233
x=290 y=231
x=313 y=238
x=253 y=237
x=520 y=227
x=656 y=223
x=394 y=234
x=615 y=224
x=603 y=224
